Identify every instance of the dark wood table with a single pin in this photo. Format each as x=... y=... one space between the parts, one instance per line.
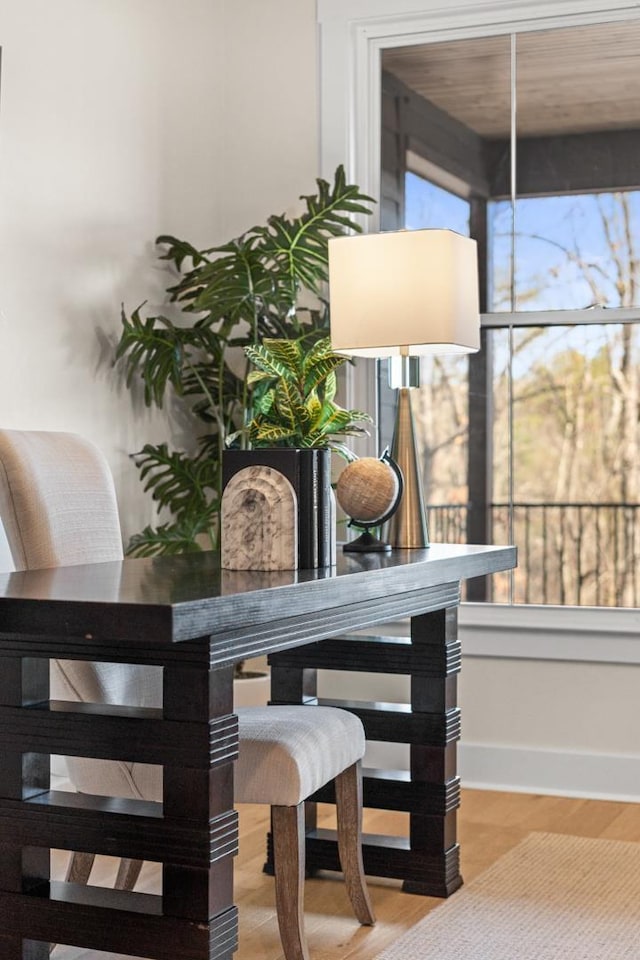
x=196 y=621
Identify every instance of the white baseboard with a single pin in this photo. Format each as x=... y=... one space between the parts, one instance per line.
x=520 y=770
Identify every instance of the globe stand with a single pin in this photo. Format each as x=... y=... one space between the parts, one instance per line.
x=367 y=542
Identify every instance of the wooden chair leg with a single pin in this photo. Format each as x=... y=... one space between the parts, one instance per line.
x=128 y=873
x=289 y=854
x=349 y=814
x=79 y=867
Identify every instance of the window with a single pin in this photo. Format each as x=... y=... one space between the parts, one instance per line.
x=535 y=440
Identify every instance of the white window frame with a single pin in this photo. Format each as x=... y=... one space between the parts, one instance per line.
x=352 y=35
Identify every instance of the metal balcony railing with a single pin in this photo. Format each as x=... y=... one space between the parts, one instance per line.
x=582 y=554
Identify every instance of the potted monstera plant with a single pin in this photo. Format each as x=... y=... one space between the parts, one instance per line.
x=231 y=296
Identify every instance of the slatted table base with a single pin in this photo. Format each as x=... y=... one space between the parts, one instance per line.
x=193 y=832
x=196 y=621
x=427 y=860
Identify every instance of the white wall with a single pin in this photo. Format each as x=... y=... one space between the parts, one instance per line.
x=119 y=121
x=271 y=119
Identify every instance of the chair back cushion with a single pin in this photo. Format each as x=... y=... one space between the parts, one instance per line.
x=57 y=500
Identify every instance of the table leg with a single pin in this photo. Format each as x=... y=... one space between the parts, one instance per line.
x=23 y=682
x=427 y=860
x=432 y=834
x=203 y=892
x=194 y=836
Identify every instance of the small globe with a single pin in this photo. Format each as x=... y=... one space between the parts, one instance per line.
x=367 y=489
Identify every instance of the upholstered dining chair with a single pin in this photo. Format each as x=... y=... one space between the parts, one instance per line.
x=58 y=507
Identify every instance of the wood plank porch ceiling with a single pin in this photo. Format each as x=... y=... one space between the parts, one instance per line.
x=569 y=80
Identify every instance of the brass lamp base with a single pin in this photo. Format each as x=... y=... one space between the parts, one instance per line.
x=407 y=528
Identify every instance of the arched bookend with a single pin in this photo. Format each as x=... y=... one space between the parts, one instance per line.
x=259 y=521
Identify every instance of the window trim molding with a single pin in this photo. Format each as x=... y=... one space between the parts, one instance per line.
x=546 y=318
x=534 y=632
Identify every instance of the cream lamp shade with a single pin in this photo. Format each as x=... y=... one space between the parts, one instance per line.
x=404 y=293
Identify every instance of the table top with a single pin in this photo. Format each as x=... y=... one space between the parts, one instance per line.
x=182 y=598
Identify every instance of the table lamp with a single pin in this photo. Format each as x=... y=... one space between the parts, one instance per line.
x=403 y=295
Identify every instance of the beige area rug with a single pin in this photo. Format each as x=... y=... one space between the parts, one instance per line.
x=552 y=897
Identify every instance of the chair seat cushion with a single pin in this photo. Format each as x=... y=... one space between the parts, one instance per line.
x=289 y=752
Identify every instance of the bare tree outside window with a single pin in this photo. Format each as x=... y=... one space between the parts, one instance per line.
x=575 y=396
x=571 y=393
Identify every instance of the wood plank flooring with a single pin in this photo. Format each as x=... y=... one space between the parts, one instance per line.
x=489 y=824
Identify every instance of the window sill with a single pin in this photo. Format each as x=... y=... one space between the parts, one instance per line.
x=584 y=634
